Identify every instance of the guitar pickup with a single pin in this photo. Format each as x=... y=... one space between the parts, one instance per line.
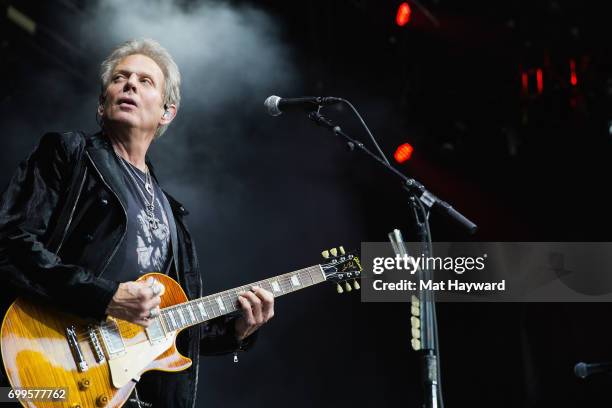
x=77 y=353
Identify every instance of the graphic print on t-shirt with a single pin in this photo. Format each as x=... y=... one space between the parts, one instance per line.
x=152 y=244
x=143 y=249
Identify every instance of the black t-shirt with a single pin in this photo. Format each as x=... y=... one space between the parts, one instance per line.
x=145 y=249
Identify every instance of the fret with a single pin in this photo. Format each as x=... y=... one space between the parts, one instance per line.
x=172 y=320
x=276 y=288
x=227 y=298
x=196 y=310
x=266 y=285
x=220 y=304
x=213 y=307
x=307 y=277
x=202 y=309
x=295 y=281
x=188 y=319
x=286 y=284
x=192 y=316
x=179 y=313
x=210 y=308
x=233 y=299
x=181 y=318
x=164 y=321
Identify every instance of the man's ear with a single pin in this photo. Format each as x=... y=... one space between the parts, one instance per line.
x=168 y=114
x=101 y=100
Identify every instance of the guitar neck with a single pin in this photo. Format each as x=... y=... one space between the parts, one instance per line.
x=200 y=310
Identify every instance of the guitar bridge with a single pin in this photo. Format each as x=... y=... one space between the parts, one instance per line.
x=97 y=347
x=77 y=353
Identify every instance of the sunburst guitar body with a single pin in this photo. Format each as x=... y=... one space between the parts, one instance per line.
x=45 y=351
x=54 y=359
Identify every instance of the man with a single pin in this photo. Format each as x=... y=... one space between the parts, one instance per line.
x=84 y=217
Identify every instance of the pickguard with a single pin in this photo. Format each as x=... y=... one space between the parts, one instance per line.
x=137 y=357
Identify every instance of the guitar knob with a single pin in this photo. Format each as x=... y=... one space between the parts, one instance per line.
x=84 y=384
x=75 y=406
x=339 y=288
x=348 y=286
x=325 y=254
x=356 y=285
x=341 y=248
x=101 y=401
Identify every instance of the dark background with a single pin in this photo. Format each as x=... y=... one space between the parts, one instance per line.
x=266 y=195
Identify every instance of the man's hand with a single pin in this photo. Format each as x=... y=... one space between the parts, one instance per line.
x=257 y=308
x=137 y=302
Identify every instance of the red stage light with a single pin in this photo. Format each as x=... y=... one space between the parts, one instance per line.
x=573 y=77
x=540 y=80
x=403 y=153
x=403 y=14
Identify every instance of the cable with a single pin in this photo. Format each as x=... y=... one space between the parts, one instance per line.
x=382 y=154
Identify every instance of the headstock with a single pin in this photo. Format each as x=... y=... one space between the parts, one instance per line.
x=341 y=267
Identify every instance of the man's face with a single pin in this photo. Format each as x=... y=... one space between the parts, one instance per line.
x=134 y=95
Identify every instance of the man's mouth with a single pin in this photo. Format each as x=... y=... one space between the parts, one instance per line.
x=128 y=101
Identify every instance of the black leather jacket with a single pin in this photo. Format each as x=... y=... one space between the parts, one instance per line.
x=62 y=217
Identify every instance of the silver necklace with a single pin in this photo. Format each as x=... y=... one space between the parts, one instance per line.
x=148 y=182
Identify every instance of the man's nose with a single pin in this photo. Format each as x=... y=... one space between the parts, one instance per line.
x=131 y=83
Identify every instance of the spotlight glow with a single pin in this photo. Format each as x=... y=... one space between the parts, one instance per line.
x=403 y=14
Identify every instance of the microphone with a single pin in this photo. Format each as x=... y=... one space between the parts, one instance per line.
x=275 y=105
x=583 y=370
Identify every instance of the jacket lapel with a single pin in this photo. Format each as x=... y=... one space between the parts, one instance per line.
x=103 y=157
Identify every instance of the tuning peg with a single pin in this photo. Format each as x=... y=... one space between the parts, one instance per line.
x=414 y=300
x=356 y=284
x=416 y=344
x=415 y=322
x=341 y=248
x=416 y=333
x=348 y=286
x=339 y=288
x=333 y=251
x=415 y=311
x=325 y=254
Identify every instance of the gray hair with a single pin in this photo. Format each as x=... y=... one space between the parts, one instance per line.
x=152 y=49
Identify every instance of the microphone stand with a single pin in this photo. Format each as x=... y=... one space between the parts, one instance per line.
x=414 y=188
x=421 y=202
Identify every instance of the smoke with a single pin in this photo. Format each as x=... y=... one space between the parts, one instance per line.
x=231 y=58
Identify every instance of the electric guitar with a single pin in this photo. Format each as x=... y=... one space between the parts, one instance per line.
x=54 y=359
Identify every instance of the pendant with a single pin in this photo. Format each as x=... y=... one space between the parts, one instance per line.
x=149 y=188
x=153 y=223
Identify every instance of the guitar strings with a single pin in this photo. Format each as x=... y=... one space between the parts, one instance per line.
x=205 y=301
x=112 y=327
x=209 y=301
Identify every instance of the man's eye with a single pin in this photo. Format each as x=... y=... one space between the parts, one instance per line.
x=146 y=81
x=117 y=77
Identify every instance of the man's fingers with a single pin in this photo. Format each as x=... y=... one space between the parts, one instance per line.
x=256 y=306
x=267 y=301
x=246 y=309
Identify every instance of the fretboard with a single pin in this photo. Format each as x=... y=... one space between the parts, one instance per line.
x=197 y=311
